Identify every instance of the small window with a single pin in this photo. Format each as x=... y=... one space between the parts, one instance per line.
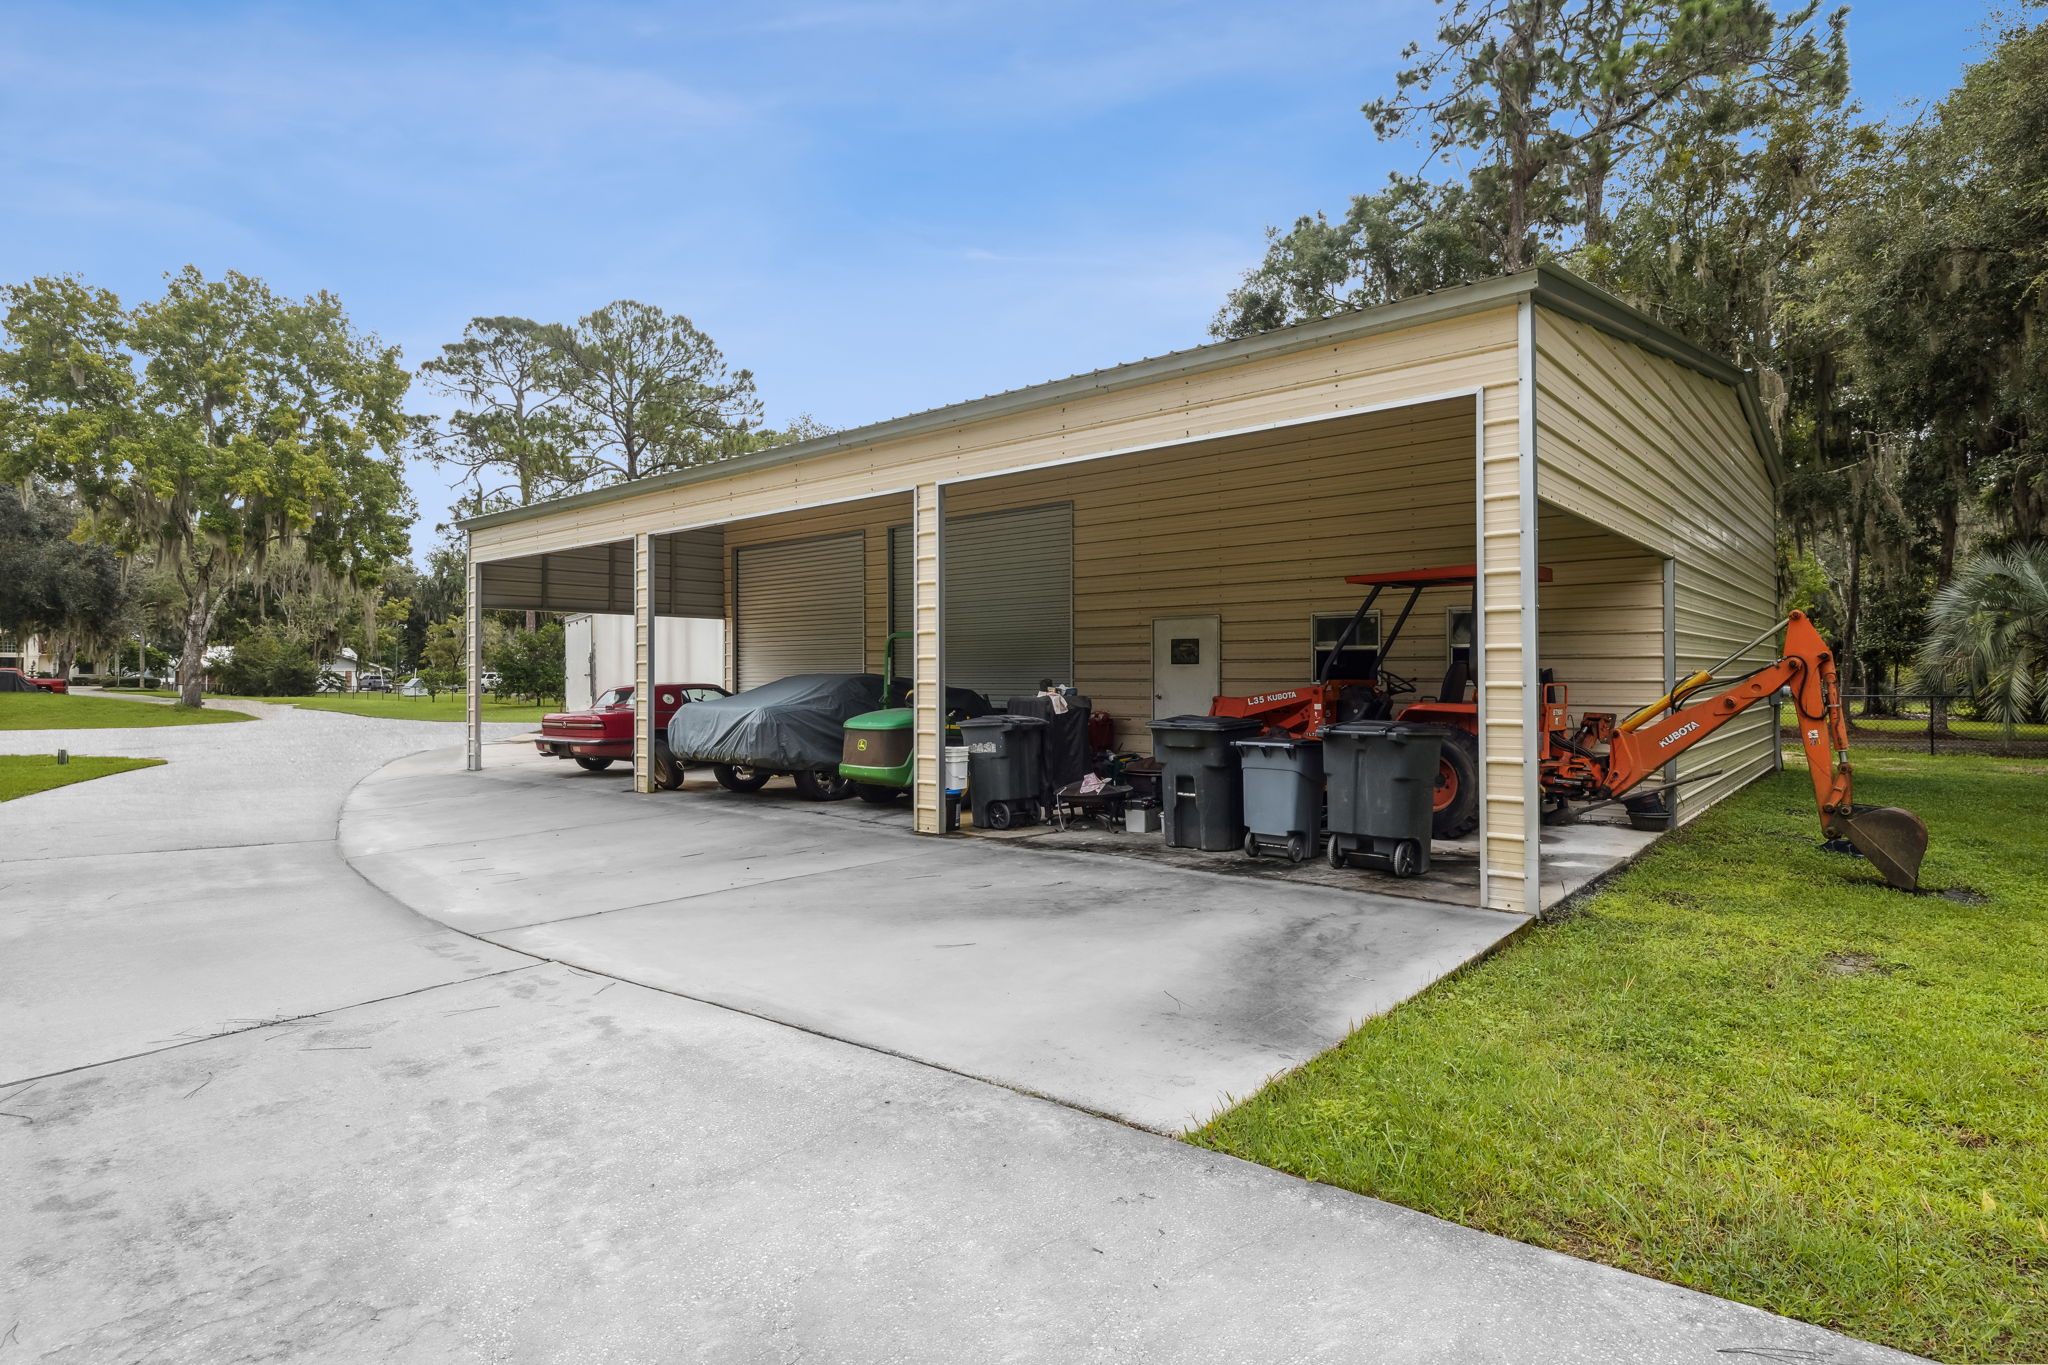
x=618 y=696
x=1458 y=635
x=1361 y=658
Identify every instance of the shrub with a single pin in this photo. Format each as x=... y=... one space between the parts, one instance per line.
x=267 y=666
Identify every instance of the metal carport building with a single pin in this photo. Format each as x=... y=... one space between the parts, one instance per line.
x=1220 y=495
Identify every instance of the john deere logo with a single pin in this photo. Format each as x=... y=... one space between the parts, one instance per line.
x=861 y=745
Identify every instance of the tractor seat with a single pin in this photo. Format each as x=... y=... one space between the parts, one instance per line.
x=1456 y=678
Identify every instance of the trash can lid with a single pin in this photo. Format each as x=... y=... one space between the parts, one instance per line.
x=1283 y=742
x=1225 y=725
x=1402 y=729
x=1000 y=721
x=1360 y=727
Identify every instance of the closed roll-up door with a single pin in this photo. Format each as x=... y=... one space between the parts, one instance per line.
x=797 y=608
x=1009 y=598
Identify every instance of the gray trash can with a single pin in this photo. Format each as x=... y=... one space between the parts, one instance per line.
x=1382 y=778
x=1201 y=786
x=1005 y=769
x=1283 y=794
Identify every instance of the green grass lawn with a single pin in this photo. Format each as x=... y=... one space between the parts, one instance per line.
x=444 y=707
x=1746 y=1066
x=25 y=774
x=57 y=711
x=389 y=706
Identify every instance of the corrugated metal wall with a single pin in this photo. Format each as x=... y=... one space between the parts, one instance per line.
x=1629 y=440
x=1009 y=598
x=799 y=607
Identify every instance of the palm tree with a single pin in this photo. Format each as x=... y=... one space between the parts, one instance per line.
x=1988 y=632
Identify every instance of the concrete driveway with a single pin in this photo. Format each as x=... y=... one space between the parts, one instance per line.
x=258 y=1111
x=1146 y=992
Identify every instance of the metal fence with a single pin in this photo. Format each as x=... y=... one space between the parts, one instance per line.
x=1929 y=723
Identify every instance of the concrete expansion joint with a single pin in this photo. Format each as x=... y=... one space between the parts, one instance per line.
x=268 y=1023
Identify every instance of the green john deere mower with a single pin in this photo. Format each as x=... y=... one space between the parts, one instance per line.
x=880 y=750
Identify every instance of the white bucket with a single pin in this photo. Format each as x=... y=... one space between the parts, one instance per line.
x=955 y=774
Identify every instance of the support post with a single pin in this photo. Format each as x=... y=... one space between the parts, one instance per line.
x=643 y=662
x=1504 y=640
x=928 y=540
x=1675 y=795
x=473 y=667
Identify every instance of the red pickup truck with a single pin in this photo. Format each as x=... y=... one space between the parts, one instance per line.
x=596 y=737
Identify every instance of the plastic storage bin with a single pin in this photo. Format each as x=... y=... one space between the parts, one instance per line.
x=1382 y=788
x=1005 y=769
x=1201 y=787
x=1283 y=794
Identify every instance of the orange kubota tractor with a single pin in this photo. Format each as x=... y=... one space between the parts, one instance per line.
x=1602 y=760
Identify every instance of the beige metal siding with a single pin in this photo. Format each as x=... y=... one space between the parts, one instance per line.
x=1663 y=456
x=1261 y=532
x=1456 y=354
x=1602 y=614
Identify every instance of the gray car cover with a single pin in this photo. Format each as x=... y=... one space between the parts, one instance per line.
x=785 y=725
x=17 y=682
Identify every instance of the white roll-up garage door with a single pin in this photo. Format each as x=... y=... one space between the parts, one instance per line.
x=1009 y=598
x=797 y=608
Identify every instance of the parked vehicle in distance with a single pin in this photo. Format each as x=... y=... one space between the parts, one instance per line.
x=39 y=684
x=373 y=682
x=596 y=738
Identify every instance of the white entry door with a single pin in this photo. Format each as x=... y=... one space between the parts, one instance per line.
x=1187 y=664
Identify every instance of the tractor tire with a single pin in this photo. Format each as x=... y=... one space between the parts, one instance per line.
x=822 y=784
x=737 y=778
x=877 y=796
x=1456 y=811
x=593 y=765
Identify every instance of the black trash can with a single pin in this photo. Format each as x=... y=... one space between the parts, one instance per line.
x=1005 y=769
x=1382 y=790
x=1067 y=756
x=1201 y=785
x=1283 y=794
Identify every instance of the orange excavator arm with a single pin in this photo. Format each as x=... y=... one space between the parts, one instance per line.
x=1894 y=840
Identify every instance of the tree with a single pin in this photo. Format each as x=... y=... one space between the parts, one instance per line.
x=1988 y=632
x=1570 y=113
x=1411 y=237
x=1935 y=284
x=52 y=584
x=651 y=392
x=531 y=663
x=1556 y=98
x=212 y=426
x=518 y=439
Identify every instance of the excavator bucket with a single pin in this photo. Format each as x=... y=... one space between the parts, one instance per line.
x=1893 y=840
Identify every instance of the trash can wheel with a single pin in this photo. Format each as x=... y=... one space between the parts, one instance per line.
x=1251 y=844
x=1335 y=853
x=1406 y=860
x=1000 y=815
x=1297 y=848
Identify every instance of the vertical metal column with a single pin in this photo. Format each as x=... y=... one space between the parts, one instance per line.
x=643 y=662
x=1670 y=771
x=473 y=666
x=928 y=577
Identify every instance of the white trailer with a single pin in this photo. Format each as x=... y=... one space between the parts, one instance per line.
x=600 y=653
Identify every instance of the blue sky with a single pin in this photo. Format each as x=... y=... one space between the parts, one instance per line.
x=877 y=205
